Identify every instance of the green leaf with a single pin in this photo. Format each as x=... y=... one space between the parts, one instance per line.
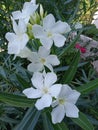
x=2 y=72
x=16 y=100
x=75 y=11
x=69 y=74
x=88 y=87
x=8 y=120
x=63 y=68
x=48 y=125
x=61 y=126
x=22 y=81
x=46 y=122
x=29 y=121
x=71 y=45
x=83 y=122
x=34 y=120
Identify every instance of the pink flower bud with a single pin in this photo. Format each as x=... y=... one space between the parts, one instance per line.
x=82 y=49
x=77 y=46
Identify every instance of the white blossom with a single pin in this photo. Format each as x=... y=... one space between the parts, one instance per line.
x=42 y=58
x=95 y=19
x=44 y=89
x=17 y=40
x=28 y=9
x=51 y=31
x=65 y=104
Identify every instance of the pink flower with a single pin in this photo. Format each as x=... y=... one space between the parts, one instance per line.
x=77 y=46
x=82 y=49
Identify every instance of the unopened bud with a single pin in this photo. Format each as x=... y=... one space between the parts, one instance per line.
x=41 y=11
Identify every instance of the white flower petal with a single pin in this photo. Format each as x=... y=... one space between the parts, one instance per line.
x=22 y=26
x=46 y=42
x=13 y=48
x=53 y=60
x=58 y=114
x=17 y=15
x=23 y=40
x=34 y=57
x=29 y=8
x=38 y=31
x=15 y=26
x=48 y=21
x=32 y=67
x=43 y=52
x=59 y=40
x=37 y=80
x=50 y=79
x=71 y=110
x=17 y=41
x=33 y=1
x=61 y=27
x=25 y=53
x=55 y=103
x=49 y=66
x=32 y=93
x=45 y=101
x=55 y=90
x=73 y=97
x=65 y=91
x=69 y=94
x=10 y=36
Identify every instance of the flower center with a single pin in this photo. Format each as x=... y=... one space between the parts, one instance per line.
x=49 y=34
x=20 y=37
x=45 y=90
x=42 y=60
x=61 y=101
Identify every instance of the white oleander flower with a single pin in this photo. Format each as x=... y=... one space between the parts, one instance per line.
x=41 y=59
x=51 y=31
x=28 y=9
x=44 y=89
x=65 y=104
x=17 y=40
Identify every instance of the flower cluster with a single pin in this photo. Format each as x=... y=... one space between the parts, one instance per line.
x=28 y=25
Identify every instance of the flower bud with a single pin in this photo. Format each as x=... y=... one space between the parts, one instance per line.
x=41 y=11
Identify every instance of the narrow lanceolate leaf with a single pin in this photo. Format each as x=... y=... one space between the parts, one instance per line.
x=83 y=122
x=34 y=120
x=88 y=87
x=46 y=122
x=61 y=126
x=22 y=81
x=48 y=125
x=69 y=74
x=3 y=72
x=71 y=45
x=16 y=100
x=29 y=120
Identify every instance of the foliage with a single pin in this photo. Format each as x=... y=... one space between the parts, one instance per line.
x=18 y=112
